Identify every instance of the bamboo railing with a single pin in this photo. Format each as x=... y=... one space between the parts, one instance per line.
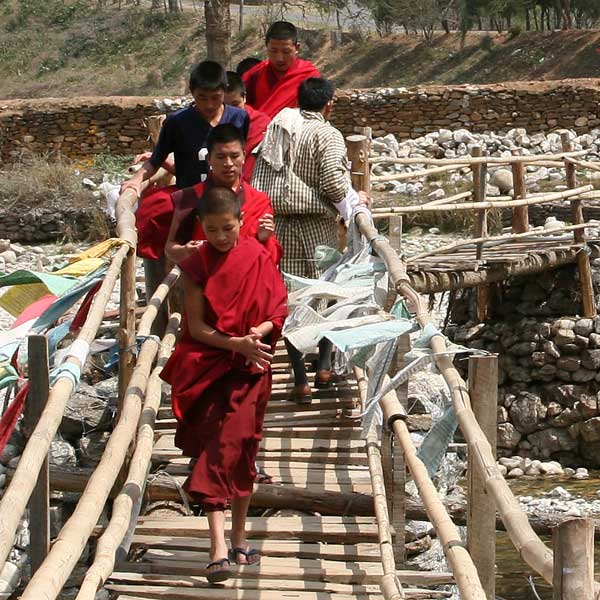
x=48 y=580
x=17 y=494
x=530 y=547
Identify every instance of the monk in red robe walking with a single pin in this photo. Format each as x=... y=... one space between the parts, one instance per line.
x=220 y=371
x=272 y=85
x=171 y=227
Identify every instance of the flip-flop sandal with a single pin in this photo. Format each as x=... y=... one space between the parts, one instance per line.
x=262 y=476
x=252 y=556
x=300 y=395
x=221 y=574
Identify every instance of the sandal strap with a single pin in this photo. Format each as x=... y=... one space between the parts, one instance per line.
x=219 y=563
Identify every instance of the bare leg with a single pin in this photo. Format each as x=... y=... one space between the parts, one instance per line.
x=239 y=511
x=216 y=525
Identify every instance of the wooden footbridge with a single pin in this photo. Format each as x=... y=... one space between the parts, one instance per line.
x=345 y=536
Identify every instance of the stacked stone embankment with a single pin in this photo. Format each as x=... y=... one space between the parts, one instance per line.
x=549 y=369
x=87 y=126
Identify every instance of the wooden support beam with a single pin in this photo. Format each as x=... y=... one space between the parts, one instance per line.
x=481 y=229
x=37 y=397
x=520 y=219
x=398 y=510
x=126 y=334
x=583 y=259
x=481 y=513
x=358 y=155
x=573 y=542
x=154 y=273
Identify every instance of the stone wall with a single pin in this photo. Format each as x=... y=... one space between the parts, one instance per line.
x=549 y=368
x=86 y=126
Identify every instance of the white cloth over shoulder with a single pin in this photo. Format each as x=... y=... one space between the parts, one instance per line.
x=280 y=138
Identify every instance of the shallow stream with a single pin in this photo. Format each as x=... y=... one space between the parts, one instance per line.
x=513 y=573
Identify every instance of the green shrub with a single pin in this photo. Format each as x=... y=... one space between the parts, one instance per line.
x=487 y=43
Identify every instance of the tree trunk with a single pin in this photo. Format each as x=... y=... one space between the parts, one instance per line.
x=567 y=19
x=174 y=6
x=527 y=20
x=445 y=25
x=218 y=31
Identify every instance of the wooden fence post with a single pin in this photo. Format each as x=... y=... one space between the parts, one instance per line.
x=37 y=396
x=573 y=543
x=127 y=351
x=481 y=510
x=520 y=216
x=398 y=473
x=583 y=260
x=358 y=147
x=479 y=171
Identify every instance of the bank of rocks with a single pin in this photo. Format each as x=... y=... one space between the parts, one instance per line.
x=549 y=368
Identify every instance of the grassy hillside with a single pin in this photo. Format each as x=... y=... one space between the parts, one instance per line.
x=65 y=48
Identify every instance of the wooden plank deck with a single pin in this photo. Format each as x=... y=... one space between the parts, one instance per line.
x=303 y=557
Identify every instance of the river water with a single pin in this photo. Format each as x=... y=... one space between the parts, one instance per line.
x=512 y=572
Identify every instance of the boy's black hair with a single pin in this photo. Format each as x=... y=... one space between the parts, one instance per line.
x=282 y=30
x=235 y=84
x=246 y=64
x=314 y=93
x=219 y=201
x=224 y=134
x=208 y=75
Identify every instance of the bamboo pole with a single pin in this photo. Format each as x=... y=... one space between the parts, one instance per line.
x=126 y=332
x=390 y=586
x=528 y=544
x=133 y=490
x=449 y=199
x=496 y=160
x=460 y=562
x=481 y=512
x=37 y=397
x=14 y=501
x=573 y=543
x=497 y=238
x=583 y=260
x=416 y=174
x=584 y=164
x=481 y=230
x=158 y=297
x=47 y=583
x=541 y=199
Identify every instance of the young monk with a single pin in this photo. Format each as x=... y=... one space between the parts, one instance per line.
x=220 y=371
x=259 y=121
x=273 y=84
x=185 y=133
x=226 y=159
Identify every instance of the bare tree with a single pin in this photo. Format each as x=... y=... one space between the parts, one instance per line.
x=218 y=31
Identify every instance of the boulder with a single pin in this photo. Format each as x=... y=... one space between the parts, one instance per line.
x=502 y=179
x=91 y=447
x=62 y=453
x=552 y=440
x=527 y=412
x=590 y=430
x=87 y=409
x=508 y=436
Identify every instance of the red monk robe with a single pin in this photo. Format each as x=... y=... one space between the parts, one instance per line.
x=218 y=400
x=259 y=122
x=269 y=92
x=153 y=218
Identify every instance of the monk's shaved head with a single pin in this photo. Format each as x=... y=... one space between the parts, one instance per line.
x=219 y=201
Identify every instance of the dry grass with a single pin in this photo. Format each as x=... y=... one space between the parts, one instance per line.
x=33 y=181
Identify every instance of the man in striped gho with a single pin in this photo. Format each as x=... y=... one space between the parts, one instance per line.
x=303 y=167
